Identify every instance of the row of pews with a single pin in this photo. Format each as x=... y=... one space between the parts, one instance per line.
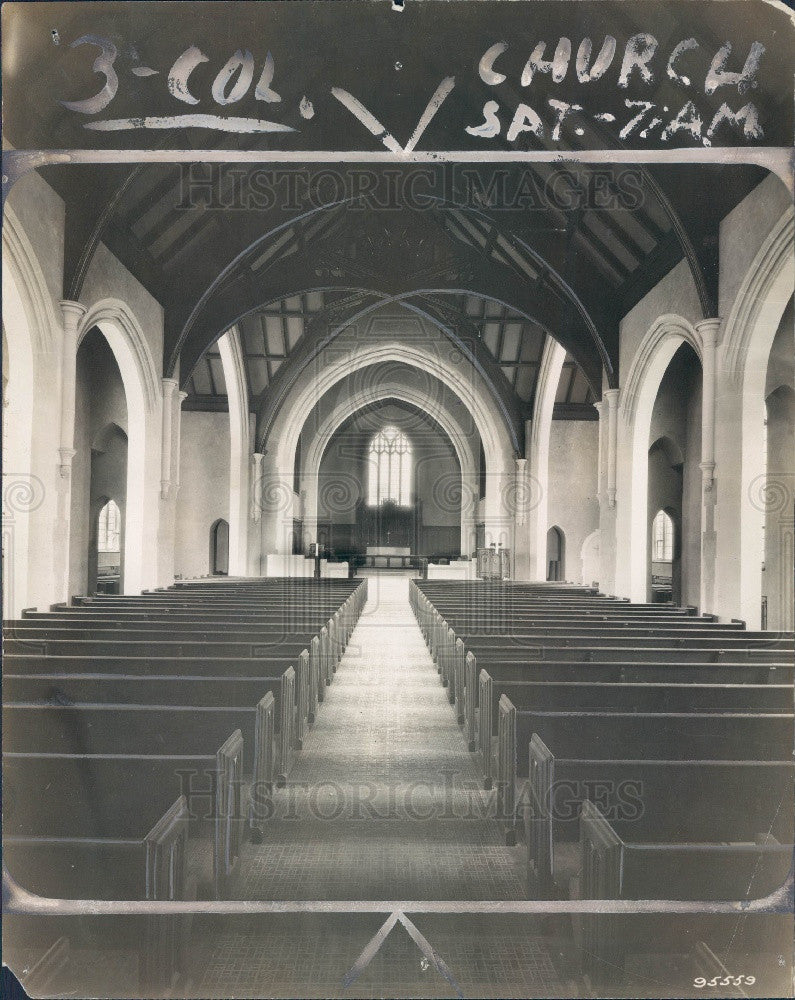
x=638 y=752
x=143 y=735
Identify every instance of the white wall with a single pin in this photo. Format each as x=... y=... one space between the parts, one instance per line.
x=573 y=502
x=204 y=489
x=674 y=294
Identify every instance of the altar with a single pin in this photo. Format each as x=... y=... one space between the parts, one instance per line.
x=388 y=557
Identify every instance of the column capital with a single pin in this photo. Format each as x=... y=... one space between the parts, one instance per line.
x=611 y=395
x=521 y=463
x=73 y=312
x=182 y=396
x=709 y=330
x=707 y=476
x=65 y=468
x=169 y=385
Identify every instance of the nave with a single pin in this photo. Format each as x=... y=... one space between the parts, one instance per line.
x=385 y=802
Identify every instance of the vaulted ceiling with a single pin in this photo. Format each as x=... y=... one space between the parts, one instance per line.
x=269 y=336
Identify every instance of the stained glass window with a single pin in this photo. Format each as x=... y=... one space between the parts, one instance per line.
x=108 y=535
x=389 y=468
x=662 y=538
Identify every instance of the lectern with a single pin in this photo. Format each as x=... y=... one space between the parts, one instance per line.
x=494 y=563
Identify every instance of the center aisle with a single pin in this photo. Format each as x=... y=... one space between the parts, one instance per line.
x=384 y=802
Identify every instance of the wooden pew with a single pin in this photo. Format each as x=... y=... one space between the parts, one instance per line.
x=94 y=868
x=312 y=673
x=117 y=797
x=669 y=698
x=478 y=712
x=672 y=799
x=274 y=644
x=615 y=869
x=134 y=689
x=606 y=735
x=157 y=867
x=628 y=698
x=149 y=726
x=131 y=729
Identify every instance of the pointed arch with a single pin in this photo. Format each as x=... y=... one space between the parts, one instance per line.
x=638 y=396
x=117 y=323
x=402 y=392
x=760 y=305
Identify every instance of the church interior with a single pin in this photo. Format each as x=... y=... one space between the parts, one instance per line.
x=397 y=560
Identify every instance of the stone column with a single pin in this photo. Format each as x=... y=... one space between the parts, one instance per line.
x=169 y=481
x=256 y=486
x=708 y=330
x=611 y=397
x=177 y=439
x=169 y=387
x=607 y=489
x=521 y=525
x=73 y=312
x=276 y=504
x=600 y=486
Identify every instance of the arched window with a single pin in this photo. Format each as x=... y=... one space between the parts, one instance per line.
x=109 y=529
x=390 y=468
x=662 y=538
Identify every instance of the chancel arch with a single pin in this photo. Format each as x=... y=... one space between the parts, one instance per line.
x=405 y=494
x=369 y=387
x=538 y=454
x=389 y=337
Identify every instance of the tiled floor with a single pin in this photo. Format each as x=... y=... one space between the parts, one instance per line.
x=384 y=802
x=310 y=956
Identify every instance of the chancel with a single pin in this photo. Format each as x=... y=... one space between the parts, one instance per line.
x=380 y=571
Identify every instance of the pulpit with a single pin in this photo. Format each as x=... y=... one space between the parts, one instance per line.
x=494 y=563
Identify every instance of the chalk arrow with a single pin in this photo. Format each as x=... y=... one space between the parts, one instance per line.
x=374 y=126
x=374 y=944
